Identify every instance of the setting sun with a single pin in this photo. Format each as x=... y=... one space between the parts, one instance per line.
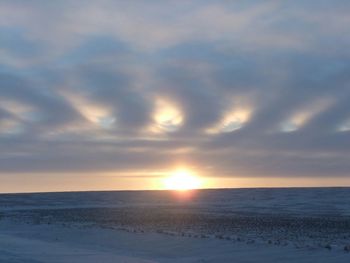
x=182 y=180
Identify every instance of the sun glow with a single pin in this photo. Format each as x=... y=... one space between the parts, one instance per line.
x=182 y=180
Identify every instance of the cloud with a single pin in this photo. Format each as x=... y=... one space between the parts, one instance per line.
x=246 y=88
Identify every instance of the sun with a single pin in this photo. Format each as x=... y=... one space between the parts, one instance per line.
x=182 y=180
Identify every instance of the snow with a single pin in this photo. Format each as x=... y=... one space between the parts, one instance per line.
x=19 y=249
x=242 y=225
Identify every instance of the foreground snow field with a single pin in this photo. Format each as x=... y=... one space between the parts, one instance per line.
x=242 y=225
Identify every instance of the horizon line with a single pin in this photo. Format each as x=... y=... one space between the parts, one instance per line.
x=171 y=190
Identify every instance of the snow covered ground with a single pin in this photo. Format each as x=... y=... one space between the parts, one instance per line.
x=238 y=225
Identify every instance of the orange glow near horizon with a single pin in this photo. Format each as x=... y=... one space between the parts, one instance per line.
x=160 y=180
x=182 y=180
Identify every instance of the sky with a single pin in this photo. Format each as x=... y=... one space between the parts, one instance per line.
x=107 y=95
